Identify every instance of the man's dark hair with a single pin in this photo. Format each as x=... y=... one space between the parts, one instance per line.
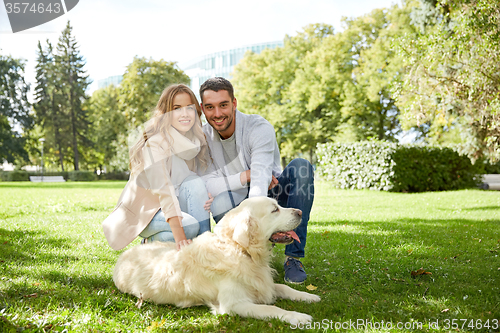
x=216 y=84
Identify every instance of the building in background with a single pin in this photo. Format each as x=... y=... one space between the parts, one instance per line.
x=204 y=67
x=114 y=80
x=220 y=63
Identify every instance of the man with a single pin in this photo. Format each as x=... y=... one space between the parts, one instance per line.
x=247 y=159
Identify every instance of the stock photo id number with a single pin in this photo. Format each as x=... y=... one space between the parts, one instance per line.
x=24 y=15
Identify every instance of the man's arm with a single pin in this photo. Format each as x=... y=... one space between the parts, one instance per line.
x=262 y=148
x=217 y=183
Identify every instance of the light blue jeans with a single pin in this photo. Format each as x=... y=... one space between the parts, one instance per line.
x=196 y=220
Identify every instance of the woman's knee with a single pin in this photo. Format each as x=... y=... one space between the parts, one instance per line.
x=195 y=186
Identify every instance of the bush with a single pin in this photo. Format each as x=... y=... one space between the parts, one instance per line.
x=114 y=176
x=394 y=167
x=14 y=176
x=492 y=168
x=82 y=176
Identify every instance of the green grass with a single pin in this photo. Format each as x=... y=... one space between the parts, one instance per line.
x=56 y=266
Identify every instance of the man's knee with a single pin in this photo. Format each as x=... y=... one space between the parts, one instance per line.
x=301 y=169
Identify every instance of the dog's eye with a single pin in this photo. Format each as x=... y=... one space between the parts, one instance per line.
x=275 y=210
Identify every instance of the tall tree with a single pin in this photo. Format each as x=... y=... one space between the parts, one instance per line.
x=142 y=85
x=49 y=101
x=263 y=84
x=108 y=126
x=452 y=76
x=15 y=117
x=70 y=65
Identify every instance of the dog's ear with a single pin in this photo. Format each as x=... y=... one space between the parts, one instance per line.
x=241 y=233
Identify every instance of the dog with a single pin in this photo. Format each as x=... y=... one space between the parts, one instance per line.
x=227 y=270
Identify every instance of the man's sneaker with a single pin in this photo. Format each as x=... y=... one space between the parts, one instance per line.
x=294 y=271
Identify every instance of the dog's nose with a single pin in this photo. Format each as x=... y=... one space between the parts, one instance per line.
x=298 y=212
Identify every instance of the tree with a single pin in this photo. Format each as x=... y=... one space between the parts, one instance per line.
x=263 y=83
x=59 y=95
x=327 y=87
x=452 y=76
x=108 y=126
x=69 y=64
x=48 y=106
x=142 y=84
x=15 y=117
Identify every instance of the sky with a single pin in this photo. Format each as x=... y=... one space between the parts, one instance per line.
x=111 y=33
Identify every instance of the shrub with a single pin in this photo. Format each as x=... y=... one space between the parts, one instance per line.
x=114 y=176
x=15 y=176
x=82 y=176
x=394 y=167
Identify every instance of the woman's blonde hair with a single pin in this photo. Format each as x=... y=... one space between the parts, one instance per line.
x=161 y=122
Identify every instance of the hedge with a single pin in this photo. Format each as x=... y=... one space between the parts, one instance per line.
x=15 y=176
x=395 y=167
x=82 y=176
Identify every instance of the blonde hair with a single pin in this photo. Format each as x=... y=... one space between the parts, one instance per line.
x=161 y=122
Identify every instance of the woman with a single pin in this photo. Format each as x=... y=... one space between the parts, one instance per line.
x=164 y=197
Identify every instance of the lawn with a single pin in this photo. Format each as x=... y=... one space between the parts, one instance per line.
x=362 y=247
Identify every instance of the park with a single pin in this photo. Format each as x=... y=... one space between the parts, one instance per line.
x=397 y=113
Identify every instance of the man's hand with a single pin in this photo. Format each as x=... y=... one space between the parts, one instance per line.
x=208 y=203
x=274 y=182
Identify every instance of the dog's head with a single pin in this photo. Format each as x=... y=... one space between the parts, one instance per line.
x=259 y=220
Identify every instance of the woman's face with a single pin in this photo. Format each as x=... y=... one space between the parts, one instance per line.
x=184 y=113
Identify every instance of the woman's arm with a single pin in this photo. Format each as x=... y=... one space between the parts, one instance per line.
x=158 y=174
x=178 y=231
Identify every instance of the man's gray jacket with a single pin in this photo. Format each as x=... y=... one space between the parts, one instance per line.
x=257 y=150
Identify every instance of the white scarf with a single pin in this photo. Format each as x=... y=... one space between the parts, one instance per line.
x=183 y=149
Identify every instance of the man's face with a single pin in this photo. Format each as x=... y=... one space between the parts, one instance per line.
x=219 y=111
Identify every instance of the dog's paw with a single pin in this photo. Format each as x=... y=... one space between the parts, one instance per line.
x=295 y=318
x=311 y=298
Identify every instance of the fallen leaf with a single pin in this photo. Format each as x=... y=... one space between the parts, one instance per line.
x=36 y=284
x=325 y=232
x=368 y=261
x=31 y=295
x=311 y=287
x=421 y=271
x=445 y=310
x=270 y=325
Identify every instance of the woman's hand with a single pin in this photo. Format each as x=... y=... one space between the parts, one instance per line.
x=208 y=203
x=182 y=243
x=178 y=231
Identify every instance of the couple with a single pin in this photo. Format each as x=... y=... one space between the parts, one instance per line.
x=174 y=174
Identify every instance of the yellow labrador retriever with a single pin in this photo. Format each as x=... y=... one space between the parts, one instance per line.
x=228 y=270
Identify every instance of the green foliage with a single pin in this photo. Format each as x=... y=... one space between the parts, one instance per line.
x=114 y=176
x=81 y=176
x=108 y=122
x=451 y=80
x=59 y=94
x=322 y=85
x=394 y=167
x=14 y=106
x=142 y=85
x=14 y=176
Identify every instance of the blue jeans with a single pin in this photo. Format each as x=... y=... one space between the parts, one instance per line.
x=295 y=189
x=196 y=220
